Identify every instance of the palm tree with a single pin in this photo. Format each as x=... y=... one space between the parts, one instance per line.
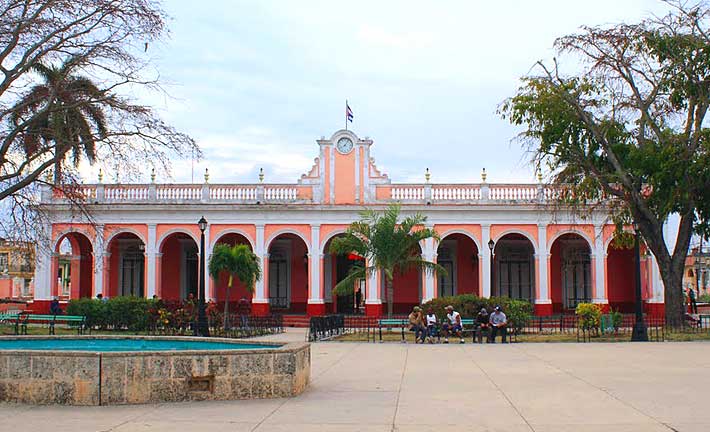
x=387 y=245
x=239 y=261
x=65 y=111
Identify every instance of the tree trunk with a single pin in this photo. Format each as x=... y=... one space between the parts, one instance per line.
x=226 y=305
x=390 y=296
x=673 y=294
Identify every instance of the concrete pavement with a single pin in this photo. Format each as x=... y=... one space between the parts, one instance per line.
x=395 y=387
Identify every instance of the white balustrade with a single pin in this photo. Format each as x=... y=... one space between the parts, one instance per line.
x=456 y=193
x=513 y=192
x=232 y=193
x=178 y=192
x=404 y=193
x=126 y=192
x=274 y=193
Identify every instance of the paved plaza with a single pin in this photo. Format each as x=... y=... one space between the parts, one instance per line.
x=395 y=387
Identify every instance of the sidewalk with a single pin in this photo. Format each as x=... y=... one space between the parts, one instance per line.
x=405 y=387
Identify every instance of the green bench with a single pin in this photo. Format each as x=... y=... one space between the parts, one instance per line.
x=391 y=322
x=20 y=320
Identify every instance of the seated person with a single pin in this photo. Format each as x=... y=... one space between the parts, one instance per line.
x=54 y=308
x=482 y=325
x=453 y=325
x=432 y=325
x=416 y=323
x=499 y=324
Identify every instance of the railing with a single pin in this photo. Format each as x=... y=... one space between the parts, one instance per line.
x=260 y=193
x=178 y=192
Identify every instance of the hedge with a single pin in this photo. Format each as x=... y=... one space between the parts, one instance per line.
x=518 y=312
x=120 y=313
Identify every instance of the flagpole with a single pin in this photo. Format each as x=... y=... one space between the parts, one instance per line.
x=346 y=114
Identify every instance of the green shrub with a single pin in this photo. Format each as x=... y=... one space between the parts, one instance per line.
x=590 y=315
x=518 y=312
x=704 y=298
x=616 y=319
x=119 y=313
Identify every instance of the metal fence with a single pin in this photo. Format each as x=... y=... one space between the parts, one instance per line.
x=238 y=326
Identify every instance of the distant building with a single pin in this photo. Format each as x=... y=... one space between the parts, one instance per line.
x=697 y=270
x=144 y=240
x=16 y=270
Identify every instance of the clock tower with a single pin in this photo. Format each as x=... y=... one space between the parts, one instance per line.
x=344 y=170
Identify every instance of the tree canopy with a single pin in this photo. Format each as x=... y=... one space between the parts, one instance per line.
x=629 y=129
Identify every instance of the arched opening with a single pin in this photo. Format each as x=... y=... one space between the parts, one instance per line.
x=514 y=268
x=458 y=254
x=407 y=288
x=238 y=290
x=571 y=272
x=127 y=266
x=621 y=277
x=75 y=267
x=179 y=267
x=288 y=274
x=335 y=269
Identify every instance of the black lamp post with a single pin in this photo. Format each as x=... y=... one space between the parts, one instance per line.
x=491 y=246
x=639 y=334
x=202 y=328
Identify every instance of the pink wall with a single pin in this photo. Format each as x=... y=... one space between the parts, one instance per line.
x=555 y=277
x=5 y=288
x=621 y=278
x=466 y=266
x=170 y=264
x=238 y=289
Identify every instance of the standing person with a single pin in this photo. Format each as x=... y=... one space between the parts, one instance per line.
x=499 y=324
x=432 y=323
x=691 y=300
x=453 y=325
x=416 y=322
x=358 y=300
x=482 y=325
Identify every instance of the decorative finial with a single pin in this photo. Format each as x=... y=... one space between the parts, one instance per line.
x=484 y=175
x=539 y=175
x=261 y=175
x=207 y=175
x=152 y=175
x=427 y=175
x=101 y=175
x=49 y=176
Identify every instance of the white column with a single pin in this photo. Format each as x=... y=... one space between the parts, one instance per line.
x=209 y=294
x=150 y=251
x=373 y=289
x=260 y=251
x=485 y=237
x=43 y=265
x=543 y=257
x=314 y=296
x=657 y=283
x=99 y=261
x=429 y=255
x=599 y=259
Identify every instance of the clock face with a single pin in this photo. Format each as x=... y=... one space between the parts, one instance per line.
x=344 y=145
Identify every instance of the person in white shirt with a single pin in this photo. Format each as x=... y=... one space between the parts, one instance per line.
x=432 y=325
x=453 y=325
x=499 y=324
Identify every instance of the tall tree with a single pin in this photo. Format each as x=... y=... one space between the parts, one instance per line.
x=237 y=261
x=93 y=60
x=388 y=245
x=70 y=125
x=629 y=129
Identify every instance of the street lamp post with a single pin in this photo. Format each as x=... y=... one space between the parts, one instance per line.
x=491 y=246
x=202 y=328
x=639 y=333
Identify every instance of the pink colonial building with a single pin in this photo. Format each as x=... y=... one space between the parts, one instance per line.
x=143 y=240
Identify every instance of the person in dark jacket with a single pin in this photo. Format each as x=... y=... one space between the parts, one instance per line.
x=54 y=308
x=482 y=325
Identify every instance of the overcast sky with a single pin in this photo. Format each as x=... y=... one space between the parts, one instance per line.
x=257 y=82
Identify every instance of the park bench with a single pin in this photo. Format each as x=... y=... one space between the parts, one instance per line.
x=391 y=323
x=20 y=320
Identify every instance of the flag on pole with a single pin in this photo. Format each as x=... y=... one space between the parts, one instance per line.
x=348 y=113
